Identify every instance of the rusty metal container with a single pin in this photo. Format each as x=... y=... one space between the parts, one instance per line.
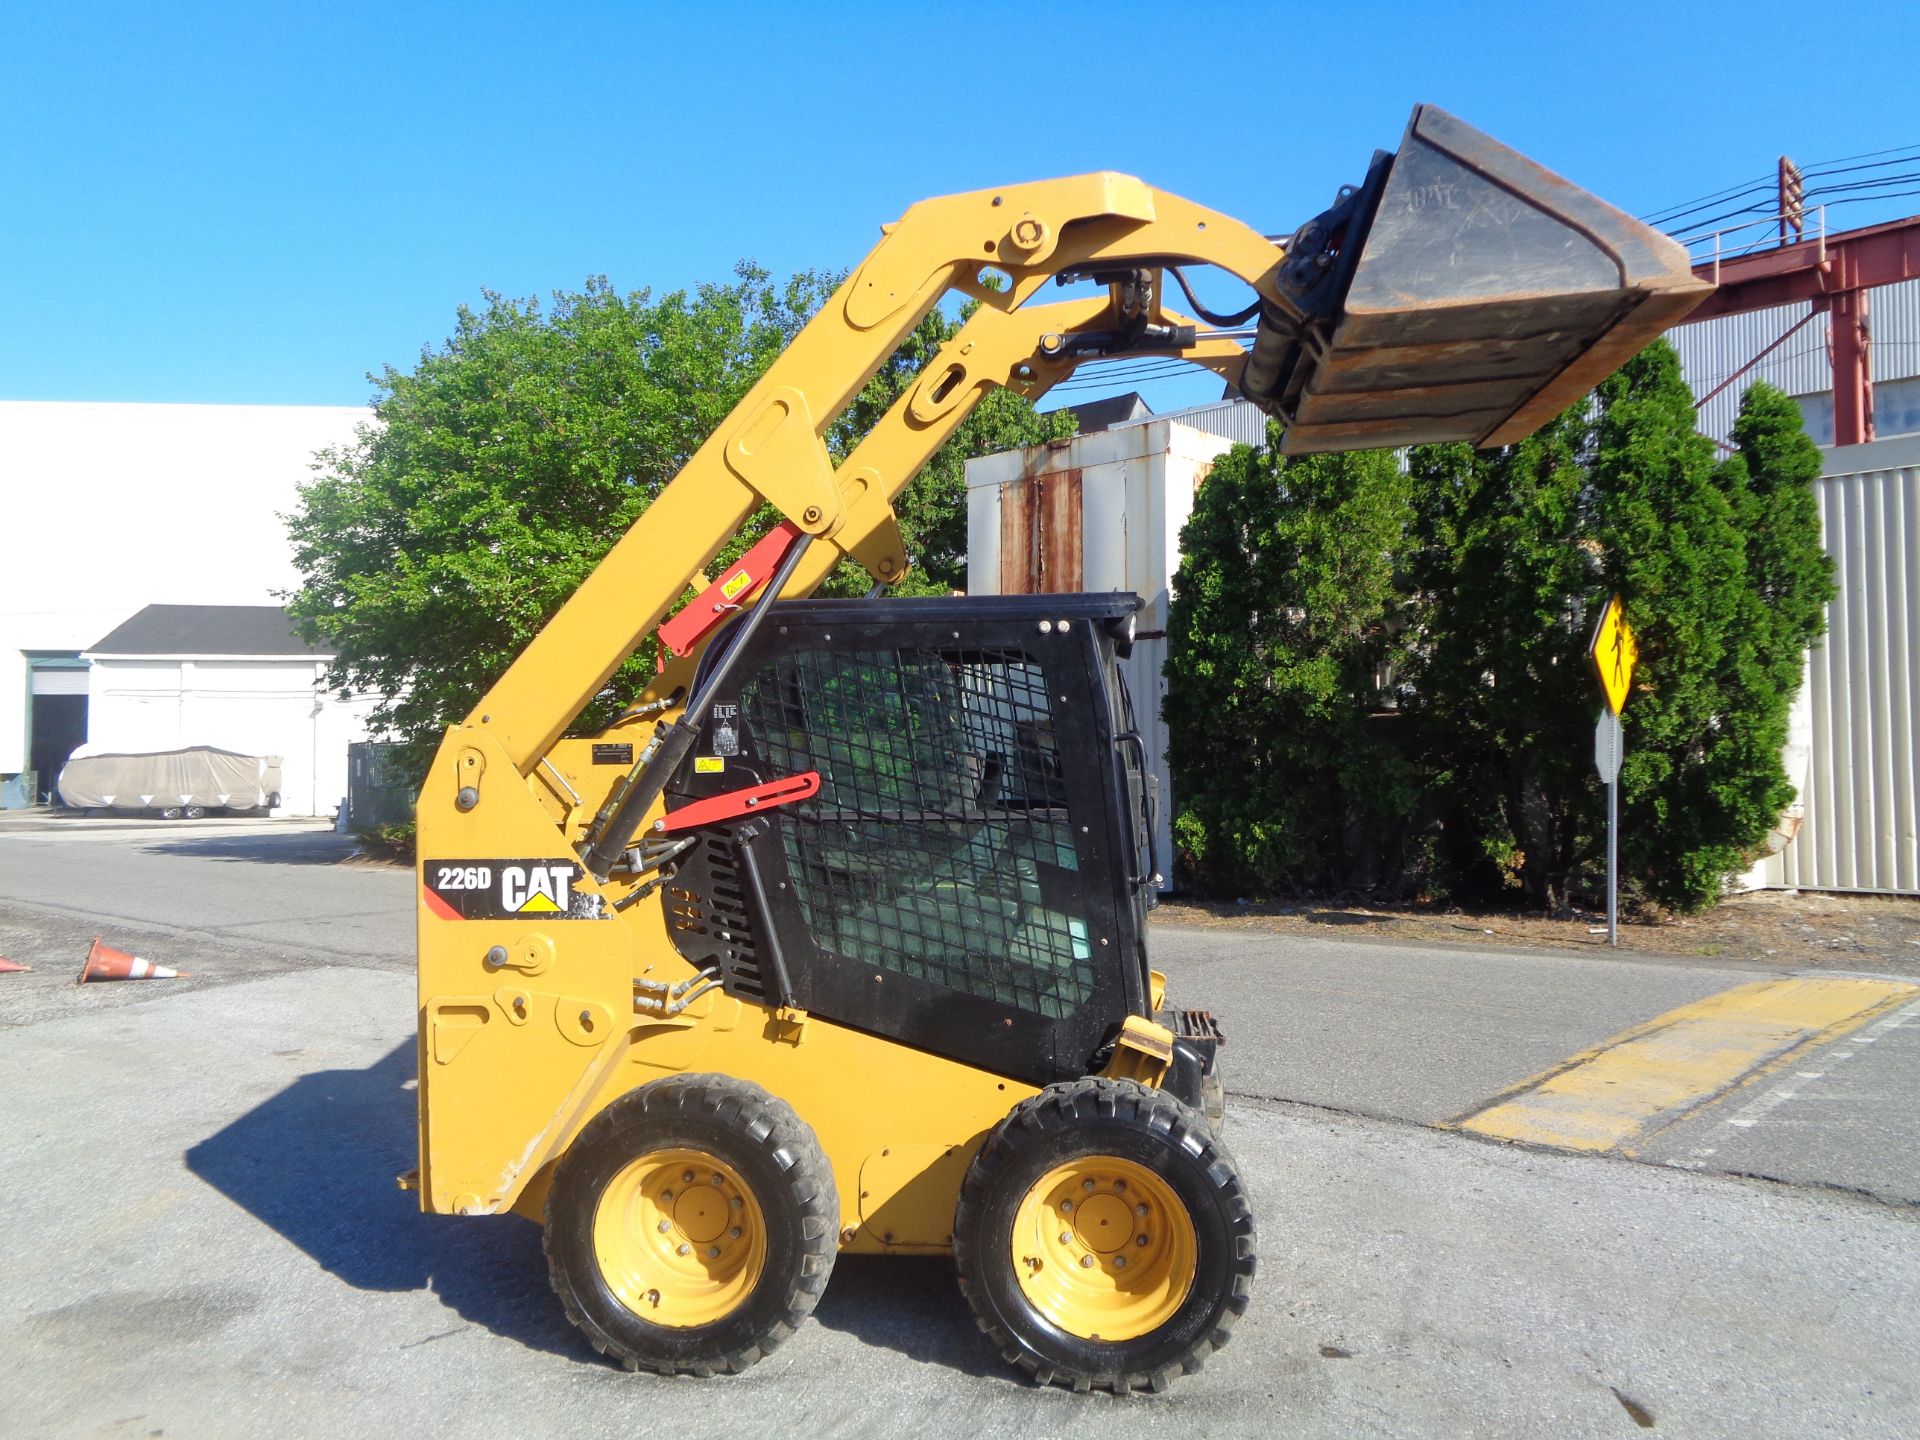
x=1461 y=292
x=1101 y=511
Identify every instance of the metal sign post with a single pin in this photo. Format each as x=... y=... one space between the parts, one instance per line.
x=1606 y=759
x=1613 y=857
x=1613 y=652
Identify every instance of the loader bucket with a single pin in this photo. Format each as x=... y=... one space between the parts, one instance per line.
x=1461 y=293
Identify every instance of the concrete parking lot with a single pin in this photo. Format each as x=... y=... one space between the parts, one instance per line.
x=204 y=1237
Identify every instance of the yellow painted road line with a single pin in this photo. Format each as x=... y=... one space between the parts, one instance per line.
x=1646 y=1076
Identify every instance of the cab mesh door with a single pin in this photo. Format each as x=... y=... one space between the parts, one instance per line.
x=940 y=846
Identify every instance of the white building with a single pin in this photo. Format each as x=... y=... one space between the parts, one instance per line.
x=109 y=508
x=235 y=677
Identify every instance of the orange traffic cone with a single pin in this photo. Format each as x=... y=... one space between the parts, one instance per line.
x=106 y=963
x=9 y=967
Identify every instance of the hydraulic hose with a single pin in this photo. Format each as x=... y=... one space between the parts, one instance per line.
x=616 y=823
x=1226 y=322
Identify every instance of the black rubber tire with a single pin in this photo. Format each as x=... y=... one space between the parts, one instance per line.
x=776 y=1155
x=1105 y=1117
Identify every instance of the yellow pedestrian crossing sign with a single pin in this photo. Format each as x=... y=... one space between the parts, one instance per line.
x=1614 y=651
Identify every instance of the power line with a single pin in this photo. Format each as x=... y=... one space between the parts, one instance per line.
x=1849 y=193
x=1845 y=164
x=1687 y=207
x=1114 y=382
x=1878 y=190
x=1128 y=372
x=1890 y=195
x=1824 y=167
x=1090 y=375
x=1869 y=154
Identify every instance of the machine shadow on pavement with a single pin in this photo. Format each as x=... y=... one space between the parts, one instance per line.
x=266 y=847
x=912 y=1306
x=316 y=1163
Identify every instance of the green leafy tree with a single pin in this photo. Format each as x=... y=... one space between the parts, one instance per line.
x=1769 y=484
x=502 y=468
x=1724 y=582
x=1727 y=607
x=1276 y=637
x=1699 y=772
x=1498 y=696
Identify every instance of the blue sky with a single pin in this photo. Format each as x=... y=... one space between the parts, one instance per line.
x=261 y=203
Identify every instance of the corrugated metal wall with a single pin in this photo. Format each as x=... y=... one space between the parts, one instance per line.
x=1894 y=313
x=1862 y=792
x=1713 y=349
x=1238 y=422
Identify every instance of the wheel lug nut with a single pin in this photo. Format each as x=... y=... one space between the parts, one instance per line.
x=686 y=1249
x=736 y=1202
x=1086 y=1184
x=1119 y=1187
x=1140 y=1240
x=1086 y=1262
x=1065 y=1238
x=734 y=1233
x=1139 y=1209
x=1119 y=1262
x=666 y=1197
x=713 y=1252
x=718 y=1178
x=686 y=1177
x=665 y=1226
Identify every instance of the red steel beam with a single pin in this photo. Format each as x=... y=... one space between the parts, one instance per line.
x=1852 y=376
x=1834 y=273
x=1878 y=255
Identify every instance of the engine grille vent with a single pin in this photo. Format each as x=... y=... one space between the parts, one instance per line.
x=707 y=916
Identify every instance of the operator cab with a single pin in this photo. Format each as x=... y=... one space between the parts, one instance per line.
x=973 y=875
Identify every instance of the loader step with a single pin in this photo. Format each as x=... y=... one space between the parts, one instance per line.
x=1198 y=1025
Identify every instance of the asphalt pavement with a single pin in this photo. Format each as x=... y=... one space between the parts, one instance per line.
x=203 y=1235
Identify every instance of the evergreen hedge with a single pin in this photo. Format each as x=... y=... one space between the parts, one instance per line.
x=1377 y=674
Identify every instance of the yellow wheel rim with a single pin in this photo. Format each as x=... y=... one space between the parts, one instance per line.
x=1104 y=1249
x=679 y=1238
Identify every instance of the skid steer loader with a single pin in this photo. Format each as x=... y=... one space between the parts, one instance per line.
x=835 y=940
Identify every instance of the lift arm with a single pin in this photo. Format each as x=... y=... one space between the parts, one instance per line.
x=1459 y=292
x=771 y=448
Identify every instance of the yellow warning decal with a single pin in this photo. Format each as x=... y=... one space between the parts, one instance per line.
x=538 y=904
x=708 y=764
x=735 y=583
